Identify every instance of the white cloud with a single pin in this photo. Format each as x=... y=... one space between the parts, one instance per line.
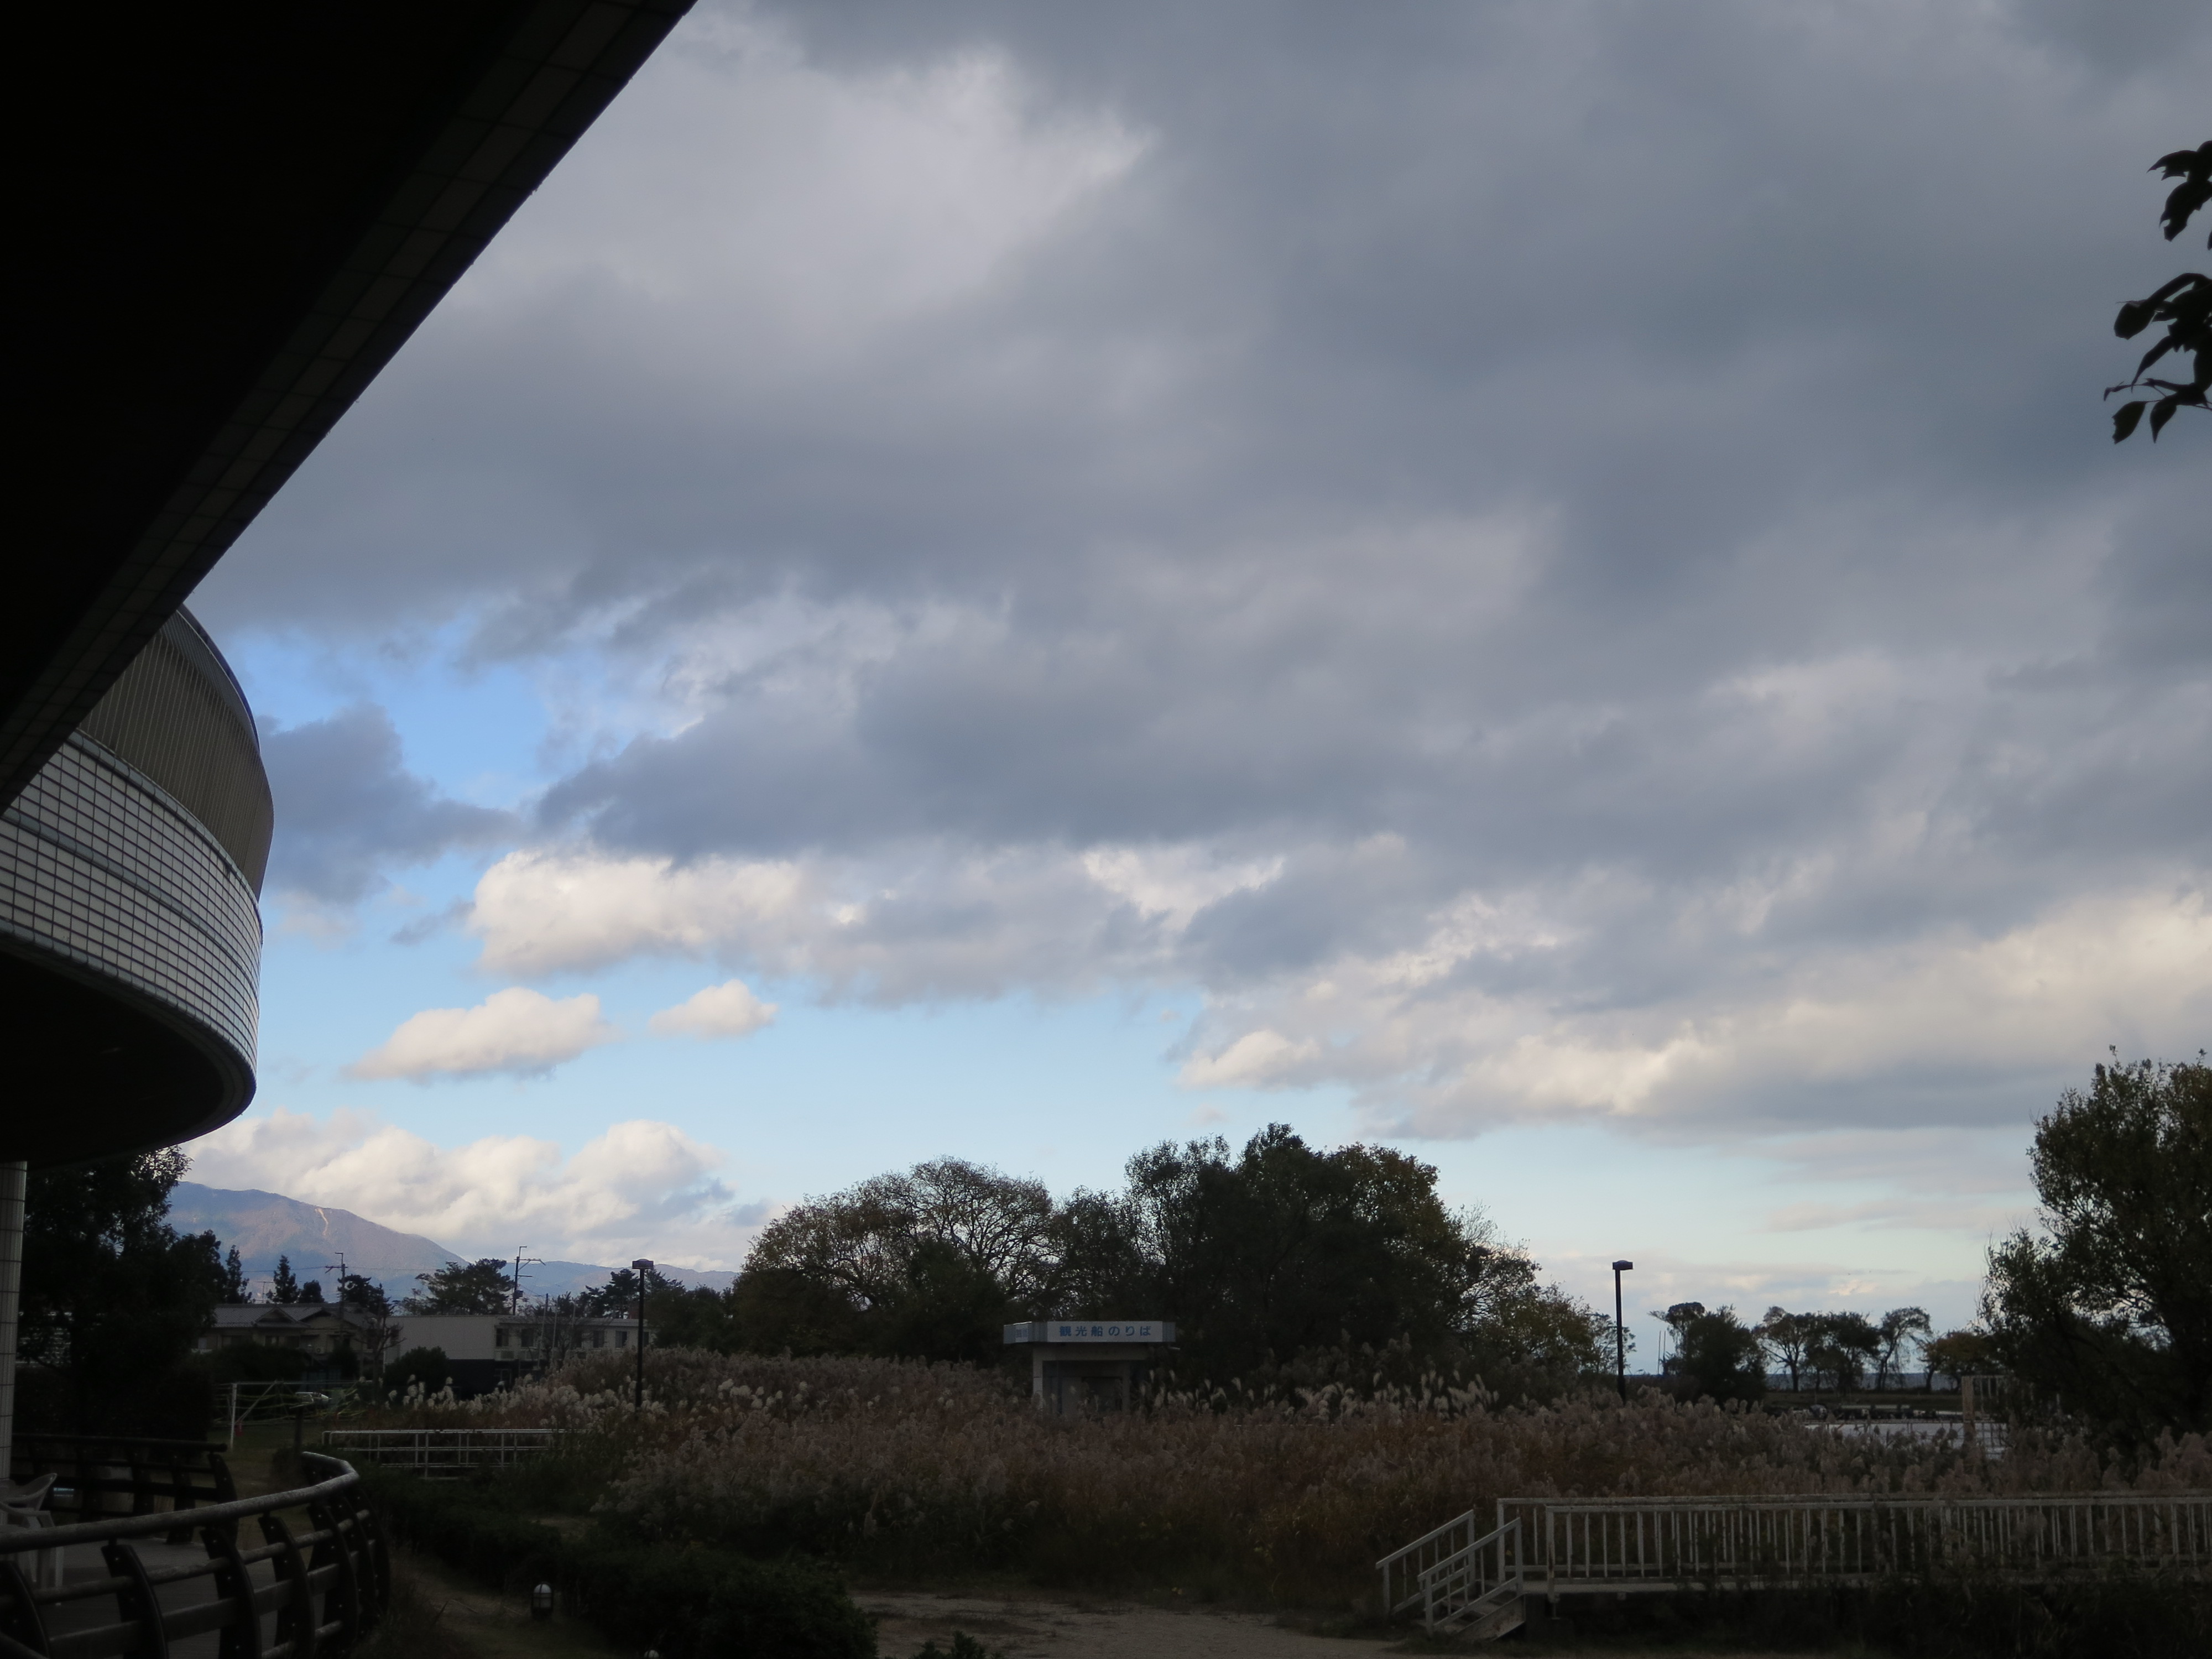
x=1940 y=1028
x=1256 y=1060
x=727 y=1010
x=540 y=911
x=640 y=1187
x=517 y=1030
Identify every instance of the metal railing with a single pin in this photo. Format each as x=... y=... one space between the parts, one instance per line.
x=439 y=1452
x=324 y=1586
x=1401 y=1570
x=1676 y=1543
x=1479 y=1589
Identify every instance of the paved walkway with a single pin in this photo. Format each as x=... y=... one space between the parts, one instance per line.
x=1027 y=1627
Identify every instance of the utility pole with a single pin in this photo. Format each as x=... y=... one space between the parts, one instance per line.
x=514 y=1291
x=1619 y=1330
x=643 y=1269
x=338 y=1268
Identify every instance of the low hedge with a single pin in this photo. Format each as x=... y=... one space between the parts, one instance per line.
x=687 y=1601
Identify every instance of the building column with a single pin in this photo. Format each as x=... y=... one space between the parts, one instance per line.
x=15 y=1176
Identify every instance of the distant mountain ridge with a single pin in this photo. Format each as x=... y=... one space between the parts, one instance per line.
x=263 y=1226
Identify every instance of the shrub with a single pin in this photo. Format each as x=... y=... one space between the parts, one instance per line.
x=688 y=1602
x=254 y=1363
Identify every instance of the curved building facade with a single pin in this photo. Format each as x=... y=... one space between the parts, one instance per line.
x=131 y=871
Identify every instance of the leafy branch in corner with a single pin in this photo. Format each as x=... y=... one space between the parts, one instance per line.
x=2185 y=305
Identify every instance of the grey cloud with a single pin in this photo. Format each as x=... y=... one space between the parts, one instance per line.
x=348 y=812
x=1642 y=464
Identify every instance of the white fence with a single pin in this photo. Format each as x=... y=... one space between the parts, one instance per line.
x=1462 y=1578
x=439 y=1452
x=1676 y=1543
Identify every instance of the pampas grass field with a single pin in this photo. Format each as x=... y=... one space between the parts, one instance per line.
x=901 y=1467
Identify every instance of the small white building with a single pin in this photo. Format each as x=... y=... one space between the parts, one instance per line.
x=1090 y=1364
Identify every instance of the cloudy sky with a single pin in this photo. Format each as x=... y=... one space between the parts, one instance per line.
x=1544 y=582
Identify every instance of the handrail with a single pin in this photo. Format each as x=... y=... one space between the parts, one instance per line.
x=323 y=1601
x=1393 y=1604
x=1456 y=1590
x=1660 y=1543
x=1428 y=1537
x=14 y=1539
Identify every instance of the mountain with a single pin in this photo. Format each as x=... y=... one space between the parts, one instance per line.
x=265 y=1225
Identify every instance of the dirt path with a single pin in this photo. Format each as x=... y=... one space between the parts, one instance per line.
x=1027 y=1627
x=438 y=1614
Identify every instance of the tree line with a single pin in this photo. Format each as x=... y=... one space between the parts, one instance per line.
x=1278 y=1262
x=1717 y=1354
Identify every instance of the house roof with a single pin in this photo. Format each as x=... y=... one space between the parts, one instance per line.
x=279 y=1316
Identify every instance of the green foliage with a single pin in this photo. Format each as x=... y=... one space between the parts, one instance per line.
x=1281 y=1264
x=2110 y=1309
x=252 y=1362
x=1717 y=1356
x=1957 y=1354
x=113 y=1300
x=964 y=1646
x=2185 y=305
x=1789 y=1338
x=1899 y=1329
x=486 y=1286
x=693 y=1317
x=365 y=1295
x=284 y=1286
x=235 y=1288
x=930 y=1262
x=776 y=1310
x=1840 y=1347
x=685 y=1602
x=1926 y=1618
x=619 y=1294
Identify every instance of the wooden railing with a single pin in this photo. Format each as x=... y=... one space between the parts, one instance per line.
x=435 y=1452
x=1675 y=1543
x=322 y=1586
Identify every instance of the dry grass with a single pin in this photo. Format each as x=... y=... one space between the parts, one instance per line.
x=903 y=1467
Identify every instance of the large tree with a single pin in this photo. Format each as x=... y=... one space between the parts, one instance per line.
x=2108 y=1307
x=113 y=1300
x=485 y=1287
x=1899 y=1329
x=1286 y=1258
x=932 y=1262
x=1717 y=1356
x=2183 y=305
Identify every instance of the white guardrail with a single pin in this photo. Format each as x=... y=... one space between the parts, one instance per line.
x=439 y=1451
x=1460 y=1578
x=1675 y=1543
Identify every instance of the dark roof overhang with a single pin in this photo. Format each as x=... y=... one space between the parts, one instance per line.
x=239 y=214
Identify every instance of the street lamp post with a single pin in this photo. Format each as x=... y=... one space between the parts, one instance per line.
x=1619 y=1330
x=643 y=1269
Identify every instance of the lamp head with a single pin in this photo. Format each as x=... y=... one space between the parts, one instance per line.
x=642 y=1266
x=1623 y=1267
